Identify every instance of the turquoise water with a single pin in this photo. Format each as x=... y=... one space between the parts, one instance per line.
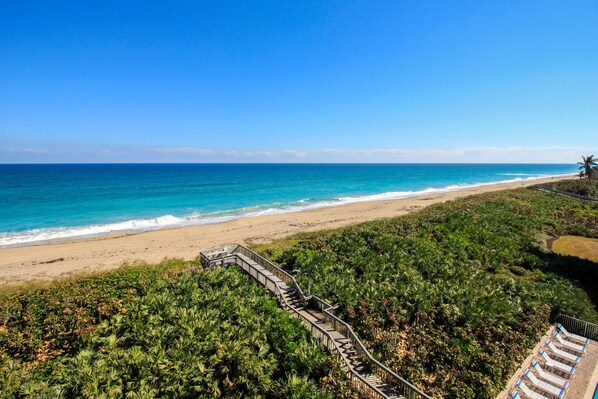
x=49 y=202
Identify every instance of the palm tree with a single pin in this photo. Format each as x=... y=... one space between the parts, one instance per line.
x=586 y=166
x=581 y=174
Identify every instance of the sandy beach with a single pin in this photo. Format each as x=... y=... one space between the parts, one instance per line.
x=49 y=261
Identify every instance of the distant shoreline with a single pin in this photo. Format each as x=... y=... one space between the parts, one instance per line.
x=51 y=260
x=50 y=235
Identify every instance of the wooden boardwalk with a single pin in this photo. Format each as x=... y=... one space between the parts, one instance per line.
x=584 y=380
x=342 y=343
x=369 y=376
x=565 y=194
x=586 y=372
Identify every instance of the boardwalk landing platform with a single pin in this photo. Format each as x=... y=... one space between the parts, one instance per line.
x=585 y=380
x=368 y=375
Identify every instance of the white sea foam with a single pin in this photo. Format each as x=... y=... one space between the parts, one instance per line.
x=537 y=175
x=57 y=233
x=453 y=187
x=37 y=236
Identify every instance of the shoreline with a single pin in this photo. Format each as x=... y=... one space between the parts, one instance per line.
x=162 y=222
x=46 y=261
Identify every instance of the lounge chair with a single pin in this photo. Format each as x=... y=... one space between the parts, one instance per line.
x=551 y=378
x=561 y=353
x=572 y=337
x=544 y=386
x=528 y=392
x=569 y=345
x=557 y=365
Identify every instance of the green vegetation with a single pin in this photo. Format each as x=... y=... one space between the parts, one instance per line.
x=585 y=167
x=586 y=187
x=452 y=297
x=172 y=331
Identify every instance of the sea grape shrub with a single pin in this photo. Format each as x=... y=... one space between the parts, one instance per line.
x=453 y=297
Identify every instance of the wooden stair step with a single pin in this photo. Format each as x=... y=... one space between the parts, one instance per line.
x=343 y=344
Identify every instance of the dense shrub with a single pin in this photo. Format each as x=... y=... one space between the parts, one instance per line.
x=42 y=321
x=453 y=297
x=584 y=187
x=175 y=331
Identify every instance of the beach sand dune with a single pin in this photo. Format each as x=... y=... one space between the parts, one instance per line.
x=49 y=261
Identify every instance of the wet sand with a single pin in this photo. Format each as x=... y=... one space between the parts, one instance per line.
x=49 y=261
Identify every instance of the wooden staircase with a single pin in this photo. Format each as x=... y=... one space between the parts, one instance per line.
x=342 y=343
x=368 y=375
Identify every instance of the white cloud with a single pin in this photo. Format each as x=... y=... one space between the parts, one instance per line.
x=539 y=154
x=248 y=154
x=265 y=155
x=180 y=150
x=474 y=154
x=25 y=150
x=298 y=154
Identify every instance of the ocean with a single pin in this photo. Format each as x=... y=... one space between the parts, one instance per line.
x=40 y=203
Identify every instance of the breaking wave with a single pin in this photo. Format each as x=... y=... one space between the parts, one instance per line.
x=44 y=235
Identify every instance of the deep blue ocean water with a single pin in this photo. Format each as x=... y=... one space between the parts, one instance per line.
x=49 y=202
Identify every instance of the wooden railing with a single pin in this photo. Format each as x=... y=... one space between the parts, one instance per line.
x=316 y=331
x=403 y=387
x=564 y=193
x=229 y=256
x=272 y=268
x=577 y=326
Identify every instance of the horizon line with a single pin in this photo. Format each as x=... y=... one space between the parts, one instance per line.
x=288 y=163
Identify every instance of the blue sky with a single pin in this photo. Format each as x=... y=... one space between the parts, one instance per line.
x=302 y=81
